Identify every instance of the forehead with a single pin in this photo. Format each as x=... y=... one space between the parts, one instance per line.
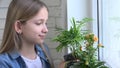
x=41 y=15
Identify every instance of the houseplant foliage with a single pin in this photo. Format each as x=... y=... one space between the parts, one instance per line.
x=82 y=45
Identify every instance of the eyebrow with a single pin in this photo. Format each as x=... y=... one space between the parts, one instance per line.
x=40 y=20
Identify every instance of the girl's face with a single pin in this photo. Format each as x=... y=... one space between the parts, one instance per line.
x=35 y=29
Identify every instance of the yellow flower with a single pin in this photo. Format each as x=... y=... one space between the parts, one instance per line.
x=95 y=38
x=87 y=36
x=80 y=48
x=86 y=63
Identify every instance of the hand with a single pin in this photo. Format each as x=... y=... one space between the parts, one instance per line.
x=62 y=64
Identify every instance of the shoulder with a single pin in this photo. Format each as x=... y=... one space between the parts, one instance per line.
x=3 y=57
x=4 y=60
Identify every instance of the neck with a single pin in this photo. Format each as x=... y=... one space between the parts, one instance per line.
x=28 y=51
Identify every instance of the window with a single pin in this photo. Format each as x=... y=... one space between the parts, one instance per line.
x=108 y=28
x=106 y=24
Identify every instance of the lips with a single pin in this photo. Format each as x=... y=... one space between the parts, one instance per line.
x=42 y=36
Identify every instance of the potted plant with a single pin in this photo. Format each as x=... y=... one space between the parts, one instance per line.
x=81 y=44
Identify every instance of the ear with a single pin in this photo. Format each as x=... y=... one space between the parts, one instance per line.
x=18 y=27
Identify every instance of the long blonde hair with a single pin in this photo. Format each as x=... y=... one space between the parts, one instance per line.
x=22 y=10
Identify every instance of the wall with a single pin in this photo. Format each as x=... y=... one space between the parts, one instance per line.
x=79 y=9
x=57 y=18
x=3 y=10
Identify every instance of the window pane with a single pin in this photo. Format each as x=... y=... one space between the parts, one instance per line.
x=111 y=32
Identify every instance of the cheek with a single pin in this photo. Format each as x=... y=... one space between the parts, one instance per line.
x=32 y=32
x=30 y=36
x=31 y=29
x=36 y=30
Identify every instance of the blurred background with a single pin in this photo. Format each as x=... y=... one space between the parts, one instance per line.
x=106 y=22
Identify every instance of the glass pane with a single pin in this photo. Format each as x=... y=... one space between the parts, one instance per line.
x=111 y=32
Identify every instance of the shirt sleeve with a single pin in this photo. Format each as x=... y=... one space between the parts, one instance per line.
x=3 y=64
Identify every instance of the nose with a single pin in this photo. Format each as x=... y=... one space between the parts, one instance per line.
x=45 y=29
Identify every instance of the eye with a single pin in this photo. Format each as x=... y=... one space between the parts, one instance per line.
x=38 y=23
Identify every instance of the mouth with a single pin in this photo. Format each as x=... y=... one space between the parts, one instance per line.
x=42 y=36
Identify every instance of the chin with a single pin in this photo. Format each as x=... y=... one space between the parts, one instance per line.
x=41 y=42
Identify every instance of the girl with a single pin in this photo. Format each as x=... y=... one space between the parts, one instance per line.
x=25 y=29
